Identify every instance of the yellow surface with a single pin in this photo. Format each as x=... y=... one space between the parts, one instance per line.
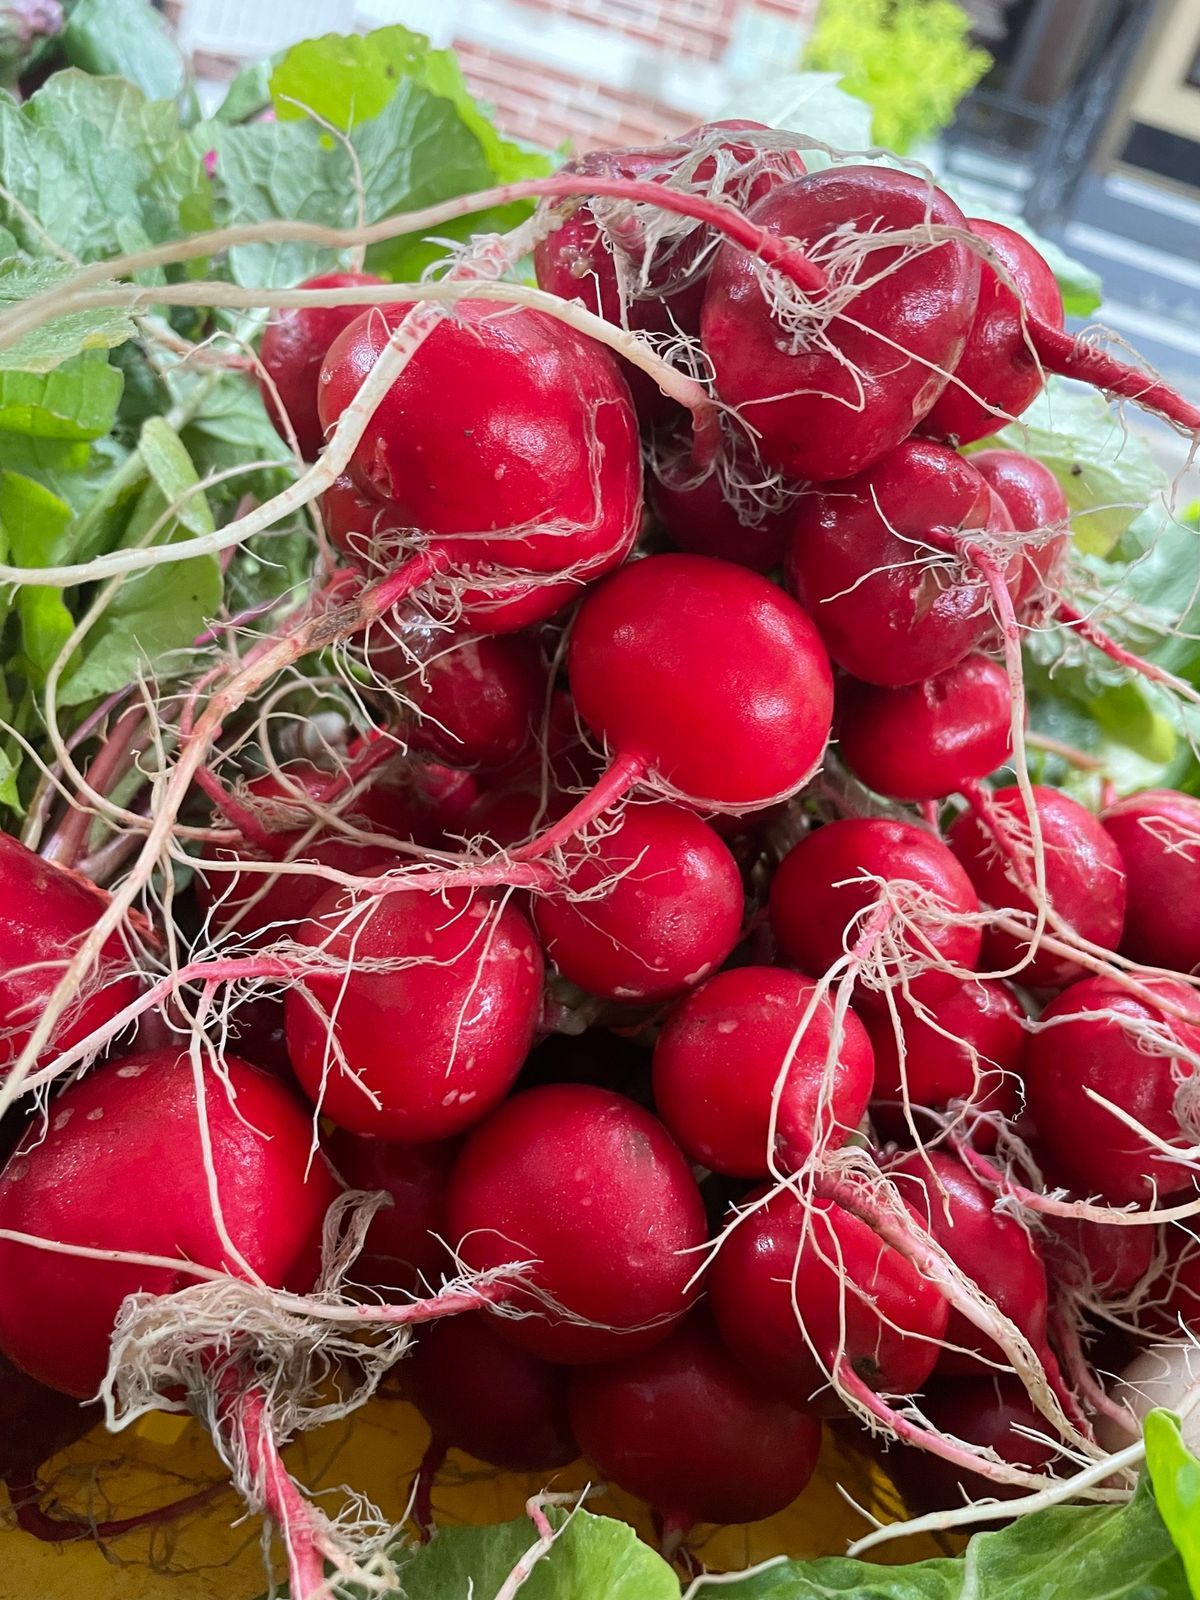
x=216 y=1554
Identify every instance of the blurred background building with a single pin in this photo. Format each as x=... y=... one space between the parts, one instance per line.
x=1086 y=120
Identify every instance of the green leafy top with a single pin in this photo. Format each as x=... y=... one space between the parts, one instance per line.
x=1138 y=1551
x=102 y=426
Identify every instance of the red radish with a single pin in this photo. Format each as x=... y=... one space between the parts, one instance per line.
x=797 y=1272
x=993 y=1250
x=1103 y=1260
x=405 y=1246
x=663 y=907
x=121 y=1167
x=481 y=1394
x=849 y=372
x=965 y=1047
x=1034 y=499
x=989 y=1411
x=721 y=1053
x=1016 y=338
x=476 y=701
x=697 y=516
x=925 y=740
x=293 y=347
x=689 y=1431
x=356 y=522
x=704 y=679
x=48 y=910
x=422 y=1021
x=868 y=561
x=1158 y=836
x=549 y=494
x=660 y=286
x=593 y=1191
x=823 y=895
x=1138 y=1065
x=1085 y=878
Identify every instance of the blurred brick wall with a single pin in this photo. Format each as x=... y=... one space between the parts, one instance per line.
x=583 y=72
x=642 y=69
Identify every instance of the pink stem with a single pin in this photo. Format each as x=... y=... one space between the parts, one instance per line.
x=282 y=1501
x=924 y=1438
x=929 y=813
x=624 y=772
x=1058 y=351
x=113 y=759
x=779 y=252
x=1095 y=635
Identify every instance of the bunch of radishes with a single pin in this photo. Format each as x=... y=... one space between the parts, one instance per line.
x=715 y=1082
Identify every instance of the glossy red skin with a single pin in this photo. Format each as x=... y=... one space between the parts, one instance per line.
x=1158 y=835
x=993 y=1250
x=1034 y=499
x=697 y=518
x=476 y=700
x=851 y=565
x=925 y=740
x=685 y=1428
x=575 y=261
x=893 y=1317
x=825 y=414
x=1085 y=1145
x=355 y=520
x=1085 y=879
x=257 y=906
x=672 y=915
x=1104 y=1260
x=989 y=1410
x=293 y=348
x=121 y=1168
x=812 y=905
x=720 y=1054
x=711 y=673
x=481 y=1394
x=997 y=363
x=981 y=1015
x=541 y=406
x=440 y=1041
x=595 y=1191
x=403 y=1248
x=47 y=913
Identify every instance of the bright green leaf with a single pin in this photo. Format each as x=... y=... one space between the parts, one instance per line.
x=127 y=39
x=98 y=168
x=593 y=1558
x=348 y=79
x=171 y=468
x=151 y=615
x=249 y=92
x=77 y=400
x=268 y=170
x=55 y=342
x=1060 y=1553
x=1175 y=1473
x=1107 y=473
x=35 y=522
